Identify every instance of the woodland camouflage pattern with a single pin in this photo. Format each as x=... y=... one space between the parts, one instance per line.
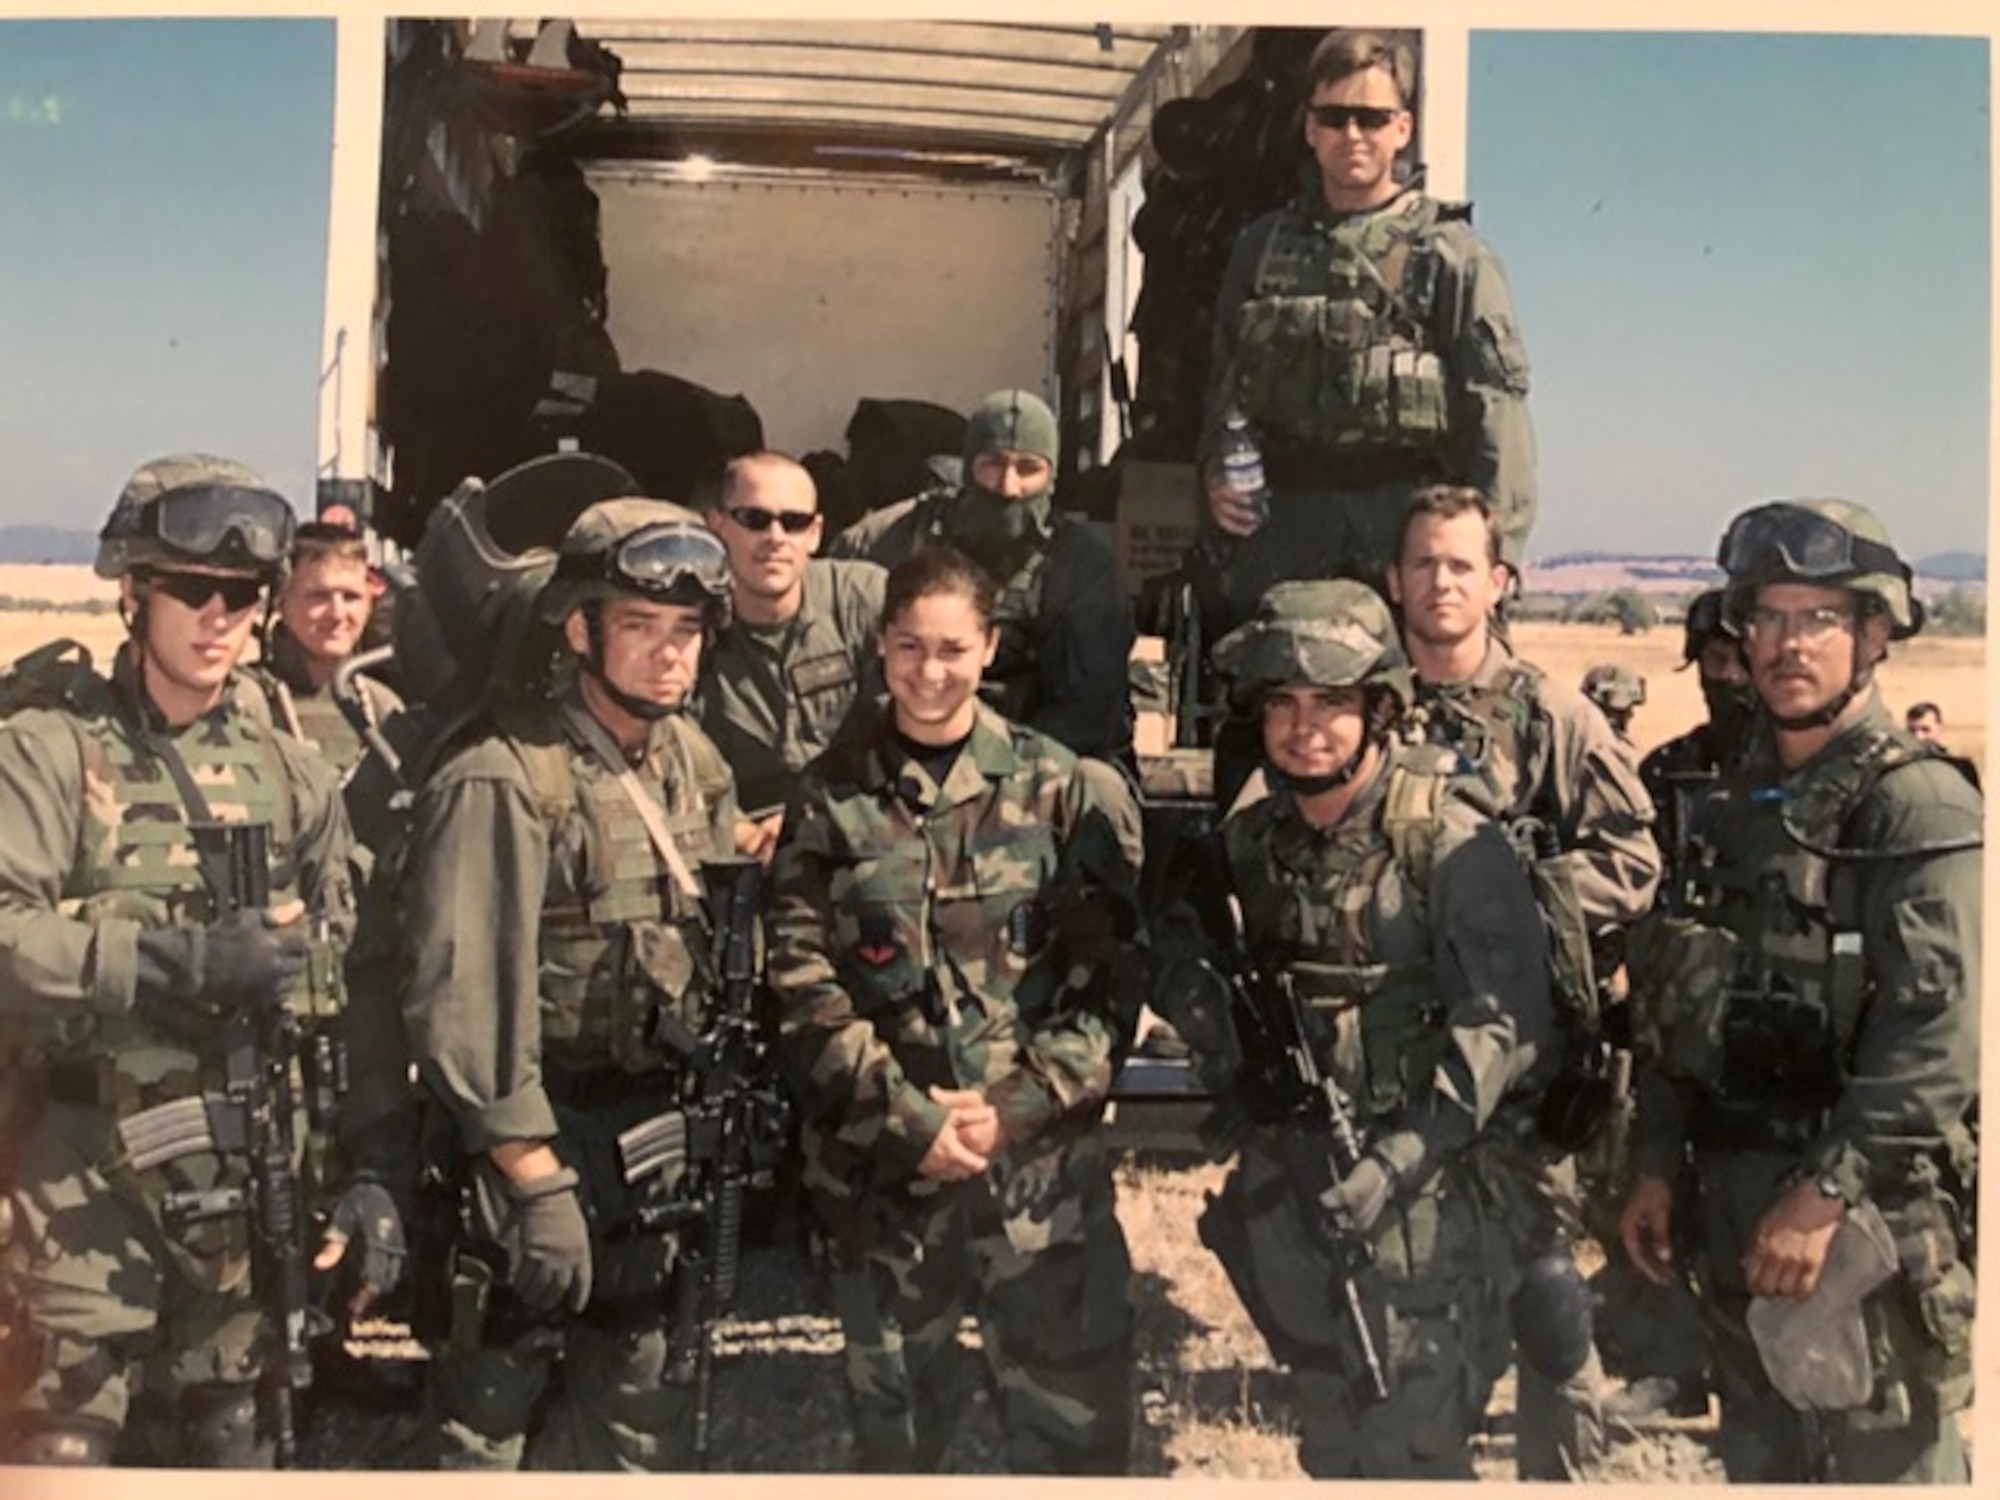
x=97 y=848
x=922 y=935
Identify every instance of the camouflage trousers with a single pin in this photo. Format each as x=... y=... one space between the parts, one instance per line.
x=1920 y=1346
x=1055 y=1325
x=118 y=1325
x=1431 y=1302
x=617 y=1406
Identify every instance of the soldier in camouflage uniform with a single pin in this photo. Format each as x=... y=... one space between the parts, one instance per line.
x=1575 y=805
x=1373 y=882
x=952 y=942
x=1816 y=1030
x=1617 y=691
x=119 y=979
x=558 y=978
x=1650 y=1333
x=1066 y=629
x=323 y=609
x=800 y=648
x=1369 y=337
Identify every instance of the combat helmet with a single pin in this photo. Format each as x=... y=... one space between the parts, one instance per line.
x=468 y=622
x=1613 y=688
x=647 y=549
x=1332 y=633
x=199 y=510
x=1706 y=621
x=1831 y=543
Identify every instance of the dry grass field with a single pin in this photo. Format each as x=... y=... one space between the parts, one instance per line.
x=1949 y=671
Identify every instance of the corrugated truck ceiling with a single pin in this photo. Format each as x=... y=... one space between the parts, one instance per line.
x=1017 y=100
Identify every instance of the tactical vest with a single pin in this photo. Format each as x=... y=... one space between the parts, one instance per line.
x=1383 y=1031
x=136 y=857
x=619 y=941
x=318 y=720
x=1768 y=992
x=1491 y=730
x=1333 y=345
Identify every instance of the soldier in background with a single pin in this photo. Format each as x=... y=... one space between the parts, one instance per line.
x=1650 y=1332
x=557 y=973
x=1815 y=1031
x=119 y=978
x=323 y=607
x=1368 y=336
x=1066 y=629
x=1568 y=789
x=1617 y=691
x=952 y=939
x=1925 y=721
x=800 y=647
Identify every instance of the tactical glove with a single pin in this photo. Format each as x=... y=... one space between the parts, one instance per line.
x=540 y=1228
x=190 y=979
x=366 y=1212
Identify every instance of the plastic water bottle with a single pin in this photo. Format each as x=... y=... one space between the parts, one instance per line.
x=1243 y=465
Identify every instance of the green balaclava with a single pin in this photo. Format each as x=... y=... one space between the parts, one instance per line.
x=987 y=524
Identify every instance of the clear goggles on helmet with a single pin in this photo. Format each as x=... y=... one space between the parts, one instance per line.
x=655 y=560
x=199 y=520
x=1801 y=544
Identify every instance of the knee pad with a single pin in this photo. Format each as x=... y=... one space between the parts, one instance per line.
x=1550 y=1312
x=220 y=1428
x=55 y=1439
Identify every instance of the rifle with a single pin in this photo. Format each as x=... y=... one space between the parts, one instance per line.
x=1282 y=1068
x=252 y=1117
x=727 y=1136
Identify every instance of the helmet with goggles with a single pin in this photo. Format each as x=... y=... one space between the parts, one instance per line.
x=642 y=549
x=1829 y=543
x=197 y=510
x=1333 y=633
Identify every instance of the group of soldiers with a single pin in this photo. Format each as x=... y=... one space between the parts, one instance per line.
x=478 y=1010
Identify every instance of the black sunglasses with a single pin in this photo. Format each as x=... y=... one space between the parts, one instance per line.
x=1370 y=117
x=196 y=589
x=755 y=518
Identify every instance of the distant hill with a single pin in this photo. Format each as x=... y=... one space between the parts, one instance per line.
x=46 y=544
x=1674 y=577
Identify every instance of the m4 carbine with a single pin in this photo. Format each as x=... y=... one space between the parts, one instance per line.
x=252 y=1119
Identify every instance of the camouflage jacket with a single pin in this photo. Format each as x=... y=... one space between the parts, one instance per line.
x=540 y=921
x=1825 y=998
x=1066 y=628
x=1458 y=308
x=98 y=847
x=772 y=696
x=919 y=937
x=1549 y=754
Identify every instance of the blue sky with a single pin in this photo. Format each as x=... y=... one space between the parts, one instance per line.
x=1745 y=265
x=162 y=252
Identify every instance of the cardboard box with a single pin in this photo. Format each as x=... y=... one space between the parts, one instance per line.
x=1157 y=511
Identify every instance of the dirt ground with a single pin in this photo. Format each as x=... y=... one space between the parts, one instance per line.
x=1209 y=1402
